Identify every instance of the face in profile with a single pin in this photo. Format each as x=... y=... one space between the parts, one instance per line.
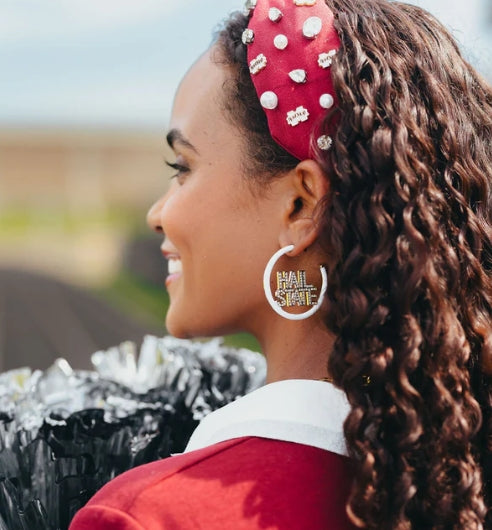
x=218 y=233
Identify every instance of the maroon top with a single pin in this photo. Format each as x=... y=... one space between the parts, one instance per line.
x=245 y=483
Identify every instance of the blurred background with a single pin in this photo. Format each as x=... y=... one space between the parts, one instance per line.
x=86 y=89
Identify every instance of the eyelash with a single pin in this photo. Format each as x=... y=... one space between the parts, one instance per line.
x=177 y=167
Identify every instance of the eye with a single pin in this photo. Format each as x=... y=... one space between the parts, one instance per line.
x=180 y=169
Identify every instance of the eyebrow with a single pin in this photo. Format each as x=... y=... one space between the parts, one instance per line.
x=175 y=136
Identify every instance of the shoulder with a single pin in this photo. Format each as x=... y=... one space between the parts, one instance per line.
x=256 y=481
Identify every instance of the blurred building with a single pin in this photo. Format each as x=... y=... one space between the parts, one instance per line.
x=79 y=169
x=88 y=180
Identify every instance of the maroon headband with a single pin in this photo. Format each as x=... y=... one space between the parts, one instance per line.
x=290 y=48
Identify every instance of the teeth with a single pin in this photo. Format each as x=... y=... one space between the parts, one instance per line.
x=174 y=266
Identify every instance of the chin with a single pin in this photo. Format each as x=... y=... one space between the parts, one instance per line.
x=186 y=328
x=175 y=328
x=181 y=327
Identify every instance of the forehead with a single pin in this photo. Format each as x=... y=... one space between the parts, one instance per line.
x=197 y=109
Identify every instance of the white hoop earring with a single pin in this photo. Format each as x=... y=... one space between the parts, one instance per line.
x=307 y=290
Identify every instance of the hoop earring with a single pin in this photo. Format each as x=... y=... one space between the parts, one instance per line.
x=284 y=278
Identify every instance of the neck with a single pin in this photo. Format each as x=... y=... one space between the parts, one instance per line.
x=296 y=350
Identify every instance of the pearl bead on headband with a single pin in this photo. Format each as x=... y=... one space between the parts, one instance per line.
x=290 y=46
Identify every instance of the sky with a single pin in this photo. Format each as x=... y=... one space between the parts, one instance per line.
x=117 y=63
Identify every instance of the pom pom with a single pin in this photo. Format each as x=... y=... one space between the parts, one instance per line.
x=64 y=433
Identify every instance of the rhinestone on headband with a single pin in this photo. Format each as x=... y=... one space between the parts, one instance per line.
x=295 y=117
x=325 y=142
x=301 y=3
x=250 y=6
x=258 y=64
x=326 y=101
x=269 y=100
x=274 y=14
x=312 y=27
x=281 y=42
x=325 y=60
x=248 y=36
x=298 y=76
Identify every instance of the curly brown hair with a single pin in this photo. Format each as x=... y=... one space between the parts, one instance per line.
x=407 y=230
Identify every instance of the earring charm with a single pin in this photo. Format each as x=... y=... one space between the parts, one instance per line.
x=292 y=289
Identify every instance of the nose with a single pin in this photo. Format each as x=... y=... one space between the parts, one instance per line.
x=154 y=215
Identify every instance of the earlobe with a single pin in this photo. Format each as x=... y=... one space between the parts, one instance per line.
x=302 y=233
x=308 y=187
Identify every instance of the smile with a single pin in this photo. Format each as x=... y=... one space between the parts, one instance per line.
x=174 y=266
x=174 y=269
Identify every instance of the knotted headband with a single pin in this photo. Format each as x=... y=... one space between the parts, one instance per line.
x=291 y=44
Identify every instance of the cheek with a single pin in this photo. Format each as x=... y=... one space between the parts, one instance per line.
x=176 y=215
x=189 y=220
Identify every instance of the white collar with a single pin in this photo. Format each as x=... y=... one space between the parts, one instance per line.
x=296 y=410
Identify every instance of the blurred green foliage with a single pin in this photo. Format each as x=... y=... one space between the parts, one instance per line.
x=16 y=220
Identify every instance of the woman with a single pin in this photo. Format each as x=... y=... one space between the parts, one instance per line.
x=347 y=145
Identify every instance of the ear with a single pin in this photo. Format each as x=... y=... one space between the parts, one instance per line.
x=307 y=185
